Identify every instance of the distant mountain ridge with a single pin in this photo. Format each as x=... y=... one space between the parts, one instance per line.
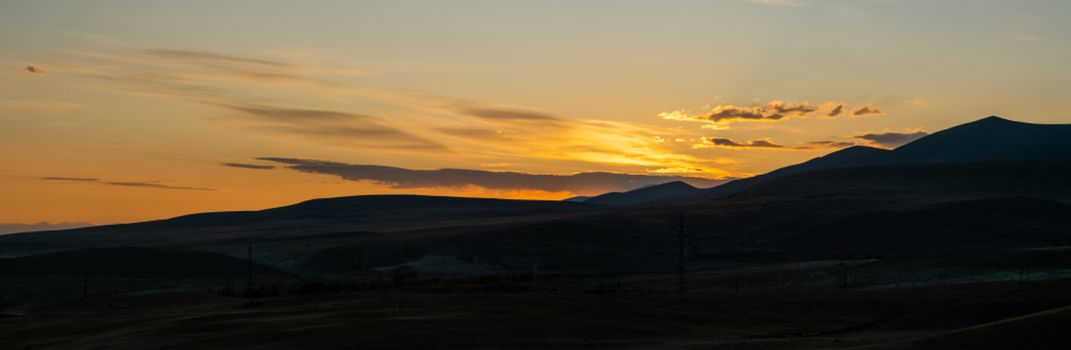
x=841 y=158
x=990 y=139
x=674 y=189
x=855 y=202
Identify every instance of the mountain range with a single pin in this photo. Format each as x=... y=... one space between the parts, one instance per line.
x=990 y=184
x=988 y=140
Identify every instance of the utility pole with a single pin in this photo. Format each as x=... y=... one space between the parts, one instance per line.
x=85 y=276
x=249 y=283
x=682 y=287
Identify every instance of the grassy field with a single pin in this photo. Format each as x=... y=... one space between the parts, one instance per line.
x=469 y=316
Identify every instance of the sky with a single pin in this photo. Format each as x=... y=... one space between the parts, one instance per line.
x=120 y=111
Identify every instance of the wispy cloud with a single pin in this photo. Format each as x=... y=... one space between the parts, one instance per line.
x=828 y=144
x=212 y=56
x=716 y=142
x=155 y=185
x=325 y=125
x=917 y=102
x=61 y=178
x=40 y=105
x=248 y=166
x=484 y=132
x=508 y=114
x=788 y=3
x=729 y=143
x=142 y=184
x=889 y=139
x=580 y=183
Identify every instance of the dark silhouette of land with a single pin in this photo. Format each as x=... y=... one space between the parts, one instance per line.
x=960 y=239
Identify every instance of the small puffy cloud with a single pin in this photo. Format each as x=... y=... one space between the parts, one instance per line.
x=890 y=139
x=785 y=108
x=720 y=116
x=866 y=110
x=835 y=111
x=34 y=70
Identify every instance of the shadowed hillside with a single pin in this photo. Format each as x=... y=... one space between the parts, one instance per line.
x=669 y=190
x=131 y=262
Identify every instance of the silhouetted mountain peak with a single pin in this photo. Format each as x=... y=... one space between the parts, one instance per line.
x=989 y=123
x=994 y=119
x=842 y=157
x=989 y=139
x=672 y=185
x=672 y=189
x=855 y=151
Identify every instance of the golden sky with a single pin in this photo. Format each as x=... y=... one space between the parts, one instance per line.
x=118 y=111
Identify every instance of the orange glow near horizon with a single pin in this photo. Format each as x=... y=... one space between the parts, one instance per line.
x=142 y=122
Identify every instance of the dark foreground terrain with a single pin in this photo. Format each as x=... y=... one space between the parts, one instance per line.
x=968 y=316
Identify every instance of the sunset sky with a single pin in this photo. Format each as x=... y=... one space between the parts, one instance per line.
x=119 y=111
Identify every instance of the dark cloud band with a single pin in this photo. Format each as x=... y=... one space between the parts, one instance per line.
x=891 y=139
x=249 y=166
x=581 y=183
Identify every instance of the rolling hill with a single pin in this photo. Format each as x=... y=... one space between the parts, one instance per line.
x=649 y=194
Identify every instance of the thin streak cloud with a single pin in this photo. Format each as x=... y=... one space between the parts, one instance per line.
x=248 y=166
x=211 y=56
x=580 y=183
x=141 y=184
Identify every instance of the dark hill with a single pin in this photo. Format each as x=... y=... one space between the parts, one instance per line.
x=991 y=139
x=926 y=182
x=669 y=190
x=842 y=158
x=310 y=221
x=380 y=207
x=133 y=262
